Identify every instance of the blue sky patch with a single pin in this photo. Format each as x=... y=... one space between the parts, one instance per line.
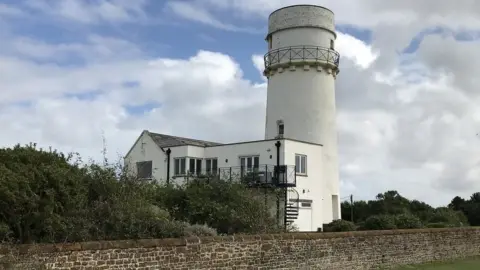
x=87 y=96
x=143 y=108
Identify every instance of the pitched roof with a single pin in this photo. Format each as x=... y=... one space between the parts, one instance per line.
x=163 y=140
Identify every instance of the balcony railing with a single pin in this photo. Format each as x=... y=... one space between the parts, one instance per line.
x=263 y=175
x=301 y=53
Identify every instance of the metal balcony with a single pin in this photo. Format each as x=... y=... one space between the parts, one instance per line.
x=261 y=176
x=300 y=54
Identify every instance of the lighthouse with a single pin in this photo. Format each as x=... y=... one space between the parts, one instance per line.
x=301 y=66
x=297 y=161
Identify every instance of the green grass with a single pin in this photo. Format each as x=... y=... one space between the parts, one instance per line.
x=472 y=264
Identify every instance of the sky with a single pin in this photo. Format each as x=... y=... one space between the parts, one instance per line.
x=78 y=75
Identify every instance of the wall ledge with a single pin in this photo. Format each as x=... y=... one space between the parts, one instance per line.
x=192 y=241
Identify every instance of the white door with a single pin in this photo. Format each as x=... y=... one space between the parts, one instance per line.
x=304 y=220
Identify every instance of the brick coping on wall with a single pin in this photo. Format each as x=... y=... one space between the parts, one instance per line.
x=177 y=242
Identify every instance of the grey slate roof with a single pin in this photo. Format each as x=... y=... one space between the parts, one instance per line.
x=163 y=141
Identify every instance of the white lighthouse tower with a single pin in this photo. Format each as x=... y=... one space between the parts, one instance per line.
x=301 y=66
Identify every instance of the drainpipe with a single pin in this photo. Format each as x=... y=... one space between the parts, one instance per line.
x=277 y=172
x=277 y=176
x=168 y=165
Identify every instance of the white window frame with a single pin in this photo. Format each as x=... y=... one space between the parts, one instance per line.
x=211 y=169
x=179 y=172
x=252 y=158
x=302 y=160
x=196 y=169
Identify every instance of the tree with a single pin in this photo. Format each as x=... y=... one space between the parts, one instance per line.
x=380 y=222
x=407 y=221
x=47 y=196
x=448 y=216
x=457 y=203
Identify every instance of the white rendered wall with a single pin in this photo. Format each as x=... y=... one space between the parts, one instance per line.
x=145 y=149
x=312 y=185
x=233 y=152
x=303 y=37
x=303 y=95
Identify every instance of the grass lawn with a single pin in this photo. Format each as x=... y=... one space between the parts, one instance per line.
x=473 y=264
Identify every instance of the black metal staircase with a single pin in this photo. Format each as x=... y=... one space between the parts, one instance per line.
x=291 y=206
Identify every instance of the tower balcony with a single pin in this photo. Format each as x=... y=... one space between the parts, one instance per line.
x=267 y=176
x=301 y=55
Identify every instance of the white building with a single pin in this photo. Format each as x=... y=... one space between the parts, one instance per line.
x=299 y=152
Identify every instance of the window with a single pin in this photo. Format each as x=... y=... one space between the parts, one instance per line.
x=250 y=163
x=269 y=42
x=332 y=44
x=306 y=204
x=211 y=165
x=144 y=169
x=180 y=166
x=195 y=166
x=281 y=128
x=199 y=166
x=300 y=164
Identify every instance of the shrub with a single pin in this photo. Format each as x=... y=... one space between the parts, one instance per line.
x=292 y=228
x=199 y=230
x=339 y=225
x=5 y=232
x=408 y=221
x=439 y=225
x=449 y=216
x=380 y=222
x=228 y=207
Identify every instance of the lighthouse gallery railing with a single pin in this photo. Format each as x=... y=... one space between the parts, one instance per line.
x=301 y=53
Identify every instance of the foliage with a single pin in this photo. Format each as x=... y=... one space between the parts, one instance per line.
x=340 y=225
x=199 y=230
x=380 y=222
x=228 y=207
x=47 y=196
x=449 y=216
x=407 y=221
x=439 y=225
x=460 y=212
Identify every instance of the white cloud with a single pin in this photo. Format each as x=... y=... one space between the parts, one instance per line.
x=7 y=10
x=92 y=12
x=352 y=48
x=203 y=93
x=196 y=12
x=406 y=122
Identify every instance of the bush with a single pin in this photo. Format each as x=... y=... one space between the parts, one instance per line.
x=292 y=228
x=339 y=225
x=449 y=216
x=5 y=232
x=439 y=225
x=380 y=222
x=199 y=230
x=408 y=221
x=46 y=196
x=228 y=207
